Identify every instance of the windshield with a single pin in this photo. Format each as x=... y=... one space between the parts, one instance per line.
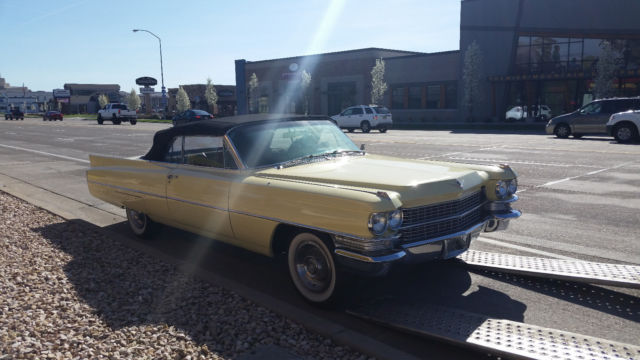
x=279 y=142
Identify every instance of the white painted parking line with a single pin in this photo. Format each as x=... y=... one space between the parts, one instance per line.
x=459 y=152
x=587 y=174
x=44 y=153
x=521 y=162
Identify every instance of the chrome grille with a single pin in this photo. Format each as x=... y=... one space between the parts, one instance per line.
x=457 y=215
x=427 y=213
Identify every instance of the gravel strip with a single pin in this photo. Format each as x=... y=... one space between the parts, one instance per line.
x=69 y=292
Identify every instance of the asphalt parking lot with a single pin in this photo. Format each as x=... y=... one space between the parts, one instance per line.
x=580 y=200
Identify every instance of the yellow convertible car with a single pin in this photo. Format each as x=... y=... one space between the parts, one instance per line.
x=299 y=187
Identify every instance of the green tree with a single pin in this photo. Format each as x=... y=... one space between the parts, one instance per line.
x=211 y=95
x=471 y=77
x=378 y=85
x=133 y=100
x=305 y=81
x=103 y=100
x=253 y=93
x=182 y=100
x=605 y=72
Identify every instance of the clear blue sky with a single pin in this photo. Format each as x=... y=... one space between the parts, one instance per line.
x=48 y=43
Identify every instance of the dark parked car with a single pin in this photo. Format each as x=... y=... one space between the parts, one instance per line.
x=191 y=115
x=590 y=119
x=52 y=115
x=14 y=114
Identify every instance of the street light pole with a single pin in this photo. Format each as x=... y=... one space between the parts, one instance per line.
x=164 y=91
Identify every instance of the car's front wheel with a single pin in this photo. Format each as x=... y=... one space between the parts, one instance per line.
x=562 y=131
x=140 y=223
x=100 y=121
x=312 y=268
x=624 y=133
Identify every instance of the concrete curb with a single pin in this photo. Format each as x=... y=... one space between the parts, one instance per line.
x=70 y=209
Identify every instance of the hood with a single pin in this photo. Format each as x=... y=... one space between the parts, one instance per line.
x=563 y=117
x=410 y=179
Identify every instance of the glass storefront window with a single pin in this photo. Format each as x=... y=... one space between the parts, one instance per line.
x=433 y=96
x=451 y=96
x=415 y=97
x=397 y=98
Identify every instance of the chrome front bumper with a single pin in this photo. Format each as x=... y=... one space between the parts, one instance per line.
x=444 y=247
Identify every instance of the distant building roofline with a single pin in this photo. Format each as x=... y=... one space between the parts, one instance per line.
x=339 y=53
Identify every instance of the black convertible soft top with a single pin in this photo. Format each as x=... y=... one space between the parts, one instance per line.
x=216 y=127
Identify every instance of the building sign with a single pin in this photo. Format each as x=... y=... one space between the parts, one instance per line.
x=146 y=81
x=290 y=76
x=61 y=93
x=225 y=93
x=62 y=100
x=146 y=90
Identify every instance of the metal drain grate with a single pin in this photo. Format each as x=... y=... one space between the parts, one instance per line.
x=579 y=271
x=499 y=337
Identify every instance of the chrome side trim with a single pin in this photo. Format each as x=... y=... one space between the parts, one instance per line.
x=302 y=225
x=126 y=189
x=470 y=230
x=320 y=184
x=445 y=218
x=197 y=204
x=239 y=163
x=371 y=259
x=243 y=213
x=158 y=196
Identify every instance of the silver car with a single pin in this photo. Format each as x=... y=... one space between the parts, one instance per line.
x=590 y=119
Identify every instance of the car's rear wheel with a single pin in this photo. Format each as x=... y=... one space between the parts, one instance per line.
x=133 y=122
x=562 y=131
x=140 y=223
x=624 y=133
x=312 y=269
x=382 y=129
x=351 y=129
x=510 y=119
x=100 y=121
x=365 y=126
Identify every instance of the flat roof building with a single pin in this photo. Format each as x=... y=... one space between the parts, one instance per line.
x=534 y=52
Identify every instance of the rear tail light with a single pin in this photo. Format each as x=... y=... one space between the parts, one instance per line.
x=197 y=116
x=118 y=111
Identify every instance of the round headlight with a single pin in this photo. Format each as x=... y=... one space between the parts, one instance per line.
x=501 y=189
x=395 y=219
x=512 y=186
x=378 y=223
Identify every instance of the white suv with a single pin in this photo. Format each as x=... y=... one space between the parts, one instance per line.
x=365 y=118
x=520 y=113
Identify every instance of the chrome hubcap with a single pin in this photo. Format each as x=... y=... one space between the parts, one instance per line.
x=137 y=219
x=312 y=267
x=624 y=133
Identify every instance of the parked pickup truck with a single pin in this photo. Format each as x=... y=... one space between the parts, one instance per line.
x=117 y=113
x=14 y=114
x=623 y=126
